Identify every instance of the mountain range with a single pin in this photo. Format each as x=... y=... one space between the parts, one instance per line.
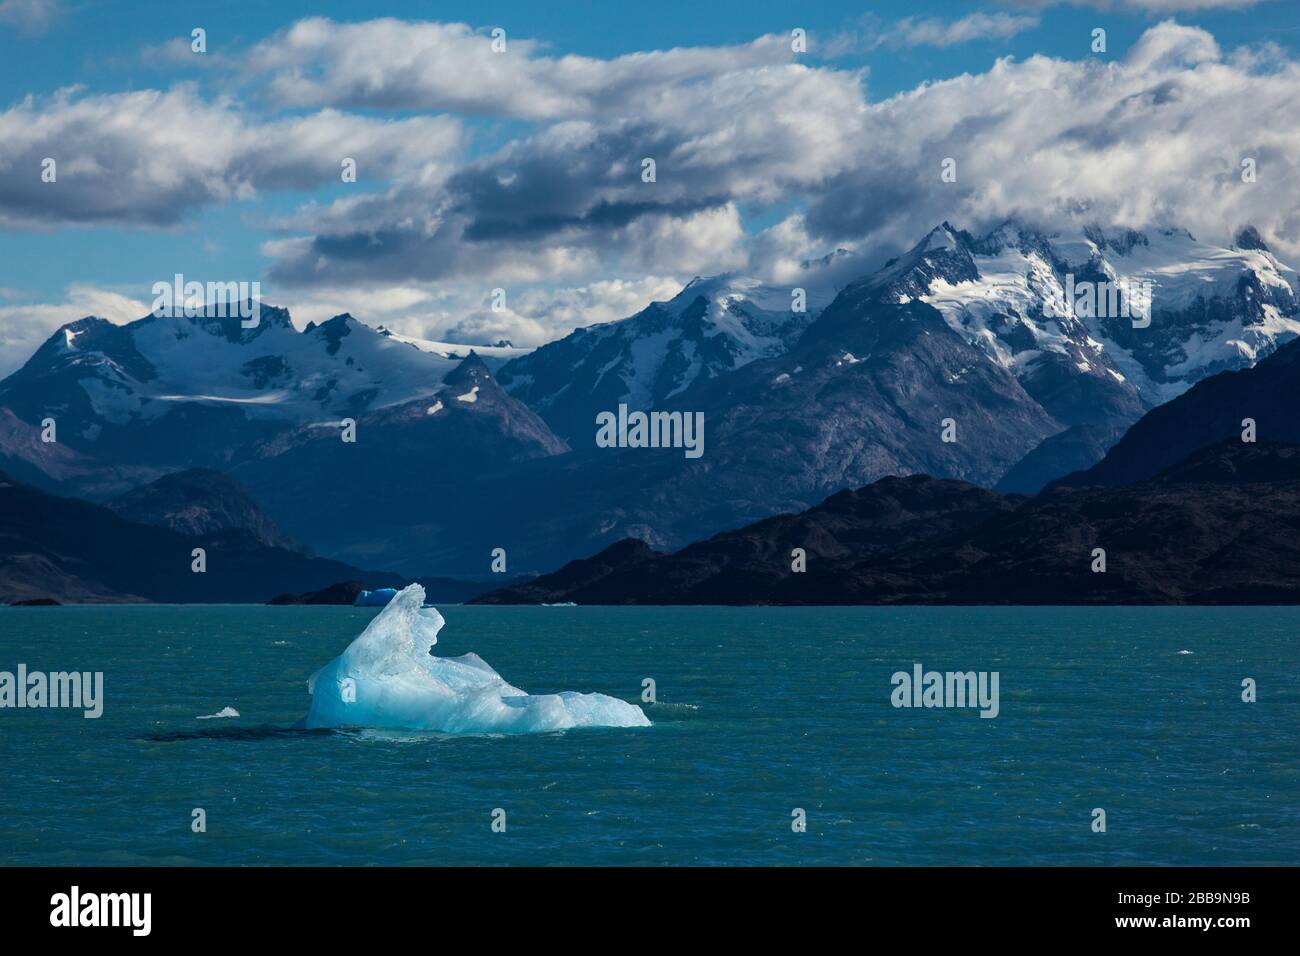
x=960 y=360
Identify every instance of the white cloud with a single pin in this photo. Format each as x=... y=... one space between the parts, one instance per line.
x=1154 y=139
x=536 y=316
x=560 y=202
x=933 y=31
x=395 y=64
x=25 y=326
x=150 y=157
x=461 y=312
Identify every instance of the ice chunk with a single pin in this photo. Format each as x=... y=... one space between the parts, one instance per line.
x=388 y=678
x=223 y=712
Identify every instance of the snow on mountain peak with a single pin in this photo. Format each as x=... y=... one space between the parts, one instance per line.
x=714 y=325
x=1212 y=308
x=144 y=369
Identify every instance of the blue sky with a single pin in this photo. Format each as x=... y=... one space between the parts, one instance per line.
x=571 y=241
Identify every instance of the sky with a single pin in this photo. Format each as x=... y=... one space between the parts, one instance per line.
x=523 y=168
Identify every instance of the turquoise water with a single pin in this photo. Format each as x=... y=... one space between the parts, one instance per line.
x=760 y=711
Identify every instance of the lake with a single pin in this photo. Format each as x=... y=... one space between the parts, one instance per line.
x=759 y=712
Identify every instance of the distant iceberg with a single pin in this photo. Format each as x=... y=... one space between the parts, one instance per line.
x=223 y=712
x=388 y=678
x=376 y=598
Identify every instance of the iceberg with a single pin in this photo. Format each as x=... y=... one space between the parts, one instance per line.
x=389 y=678
x=223 y=712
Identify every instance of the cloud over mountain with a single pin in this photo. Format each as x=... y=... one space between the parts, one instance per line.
x=1155 y=137
x=524 y=169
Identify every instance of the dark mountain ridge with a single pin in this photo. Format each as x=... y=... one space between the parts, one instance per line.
x=200 y=501
x=1220 y=527
x=74 y=551
x=1211 y=411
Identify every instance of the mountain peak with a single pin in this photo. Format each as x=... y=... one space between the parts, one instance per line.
x=471 y=371
x=944 y=253
x=334 y=330
x=1249 y=238
x=942 y=236
x=830 y=258
x=67 y=333
x=709 y=286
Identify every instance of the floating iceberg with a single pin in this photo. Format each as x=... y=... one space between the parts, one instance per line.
x=223 y=712
x=388 y=678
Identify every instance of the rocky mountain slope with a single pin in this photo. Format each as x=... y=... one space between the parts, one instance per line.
x=74 y=551
x=1221 y=527
x=1212 y=411
x=742 y=566
x=712 y=327
x=1211 y=309
x=413 y=480
x=200 y=501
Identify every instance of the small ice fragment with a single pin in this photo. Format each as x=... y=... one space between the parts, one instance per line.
x=223 y=712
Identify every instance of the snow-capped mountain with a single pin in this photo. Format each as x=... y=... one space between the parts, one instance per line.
x=493 y=356
x=192 y=390
x=459 y=453
x=1210 y=309
x=711 y=328
x=972 y=330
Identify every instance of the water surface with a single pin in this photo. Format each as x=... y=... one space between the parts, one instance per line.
x=761 y=711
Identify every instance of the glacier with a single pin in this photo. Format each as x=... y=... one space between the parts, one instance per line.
x=388 y=678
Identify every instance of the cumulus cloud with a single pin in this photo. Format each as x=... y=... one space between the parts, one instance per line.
x=539 y=315
x=25 y=326
x=462 y=312
x=395 y=64
x=150 y=157
x=1154 y=139
x=574 y=193
x=561 y=217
